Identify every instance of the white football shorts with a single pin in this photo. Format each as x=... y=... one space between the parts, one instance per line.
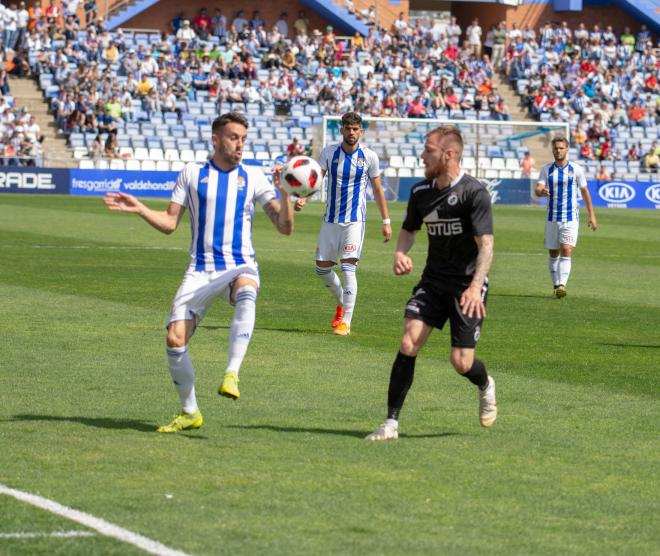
x=340 y=241
x=561 y=232
x=201 y=287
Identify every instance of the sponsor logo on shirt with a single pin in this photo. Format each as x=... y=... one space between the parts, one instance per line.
x=452 y=200
x=350 y=248
x=443 y=226
x=205 y=179
x=360 y=162
x=240 y=182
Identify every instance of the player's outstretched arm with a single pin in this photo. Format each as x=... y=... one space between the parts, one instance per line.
x=586 y=197
x=471 y=302
x=379 y=197
x=403 y=264
x=165 y=221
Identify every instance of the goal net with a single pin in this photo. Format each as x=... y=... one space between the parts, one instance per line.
x=494 y=150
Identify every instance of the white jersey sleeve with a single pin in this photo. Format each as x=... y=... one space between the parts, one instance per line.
x=373 y=162
x=580 y=176
x=325 y=157
x=264 y=190
x=543 y=175
x=181 y=191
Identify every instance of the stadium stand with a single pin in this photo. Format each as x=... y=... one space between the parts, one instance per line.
x=604 y=84
x=158 y=93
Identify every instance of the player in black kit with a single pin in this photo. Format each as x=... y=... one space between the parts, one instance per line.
x=456 y=209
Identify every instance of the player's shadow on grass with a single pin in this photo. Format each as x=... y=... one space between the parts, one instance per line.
x=269 y=328
x=98 y=422
x=650 y=346
x=340 y=432
x=532 y=295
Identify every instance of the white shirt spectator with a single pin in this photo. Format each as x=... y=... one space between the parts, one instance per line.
x=474 y=34
x=185 y=32
x=23 y=17
x=149 y=66
x=10 y=18
x=283 y=27
x=239 y=23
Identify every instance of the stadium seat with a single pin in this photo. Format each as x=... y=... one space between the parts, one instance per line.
x=512 y=164
x=141 y=153
x=498 y=164
x=79 y=153
x=156 y=154
x=405 y=173
x=162 y=165
x=418 y=173
x=178 y=165
x=102 y=164
x=262 y=155
x=117 y=164
x=396 y=161
x=86 y=164
x=148 y=165
x=490 y=174
x=390 y=172
x=201 y=156
x=171 y=154
x=248 y=155
x=133 y=164
x=187 y=155
x=410 y=162
x=468 y=163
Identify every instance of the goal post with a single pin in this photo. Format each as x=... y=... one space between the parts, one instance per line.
x=493 y=150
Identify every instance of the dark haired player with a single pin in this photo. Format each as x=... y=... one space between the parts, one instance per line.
x=349 y=166
x=220 y=196
x=456 y=209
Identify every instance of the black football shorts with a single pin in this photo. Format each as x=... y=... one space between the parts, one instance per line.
x=434 y=307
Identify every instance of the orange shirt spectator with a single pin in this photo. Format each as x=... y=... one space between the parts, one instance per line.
x=527 y=165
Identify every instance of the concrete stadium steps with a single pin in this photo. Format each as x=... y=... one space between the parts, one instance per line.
x=538 y=146
x=56 y=153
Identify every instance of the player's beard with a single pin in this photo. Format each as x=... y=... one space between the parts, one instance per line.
x=432 y=172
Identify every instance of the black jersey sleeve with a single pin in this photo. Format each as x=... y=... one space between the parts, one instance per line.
x=481 y=214
x=413 y=220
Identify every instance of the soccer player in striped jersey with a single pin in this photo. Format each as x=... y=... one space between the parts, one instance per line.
x=350 y=166
x=220 y=196
x=559 y=181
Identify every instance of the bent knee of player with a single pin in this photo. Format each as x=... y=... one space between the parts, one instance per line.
x=178 y=333
x=462 y=359
x=409 y=346
x=175 y=340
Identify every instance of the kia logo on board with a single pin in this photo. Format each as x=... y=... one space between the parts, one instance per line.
x=616 y=192
x=653 y=193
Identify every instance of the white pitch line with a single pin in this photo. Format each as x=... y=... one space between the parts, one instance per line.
x=104 y=527
x=57 y=534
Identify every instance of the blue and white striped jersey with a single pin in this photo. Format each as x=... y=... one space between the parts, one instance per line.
x=221 y=206
x=347 y=182
x=563 y=184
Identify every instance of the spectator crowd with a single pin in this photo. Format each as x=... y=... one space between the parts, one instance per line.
x=601 y=82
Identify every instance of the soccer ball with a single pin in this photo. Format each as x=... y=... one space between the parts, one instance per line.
x=301 y=176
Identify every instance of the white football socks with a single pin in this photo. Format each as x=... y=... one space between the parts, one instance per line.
x=241 y=327
x=350 y=290
x=183 y=376
x=332 y=282
x=553 y=267
x=564 y=270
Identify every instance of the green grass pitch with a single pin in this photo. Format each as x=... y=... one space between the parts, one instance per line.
x=570 y=466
